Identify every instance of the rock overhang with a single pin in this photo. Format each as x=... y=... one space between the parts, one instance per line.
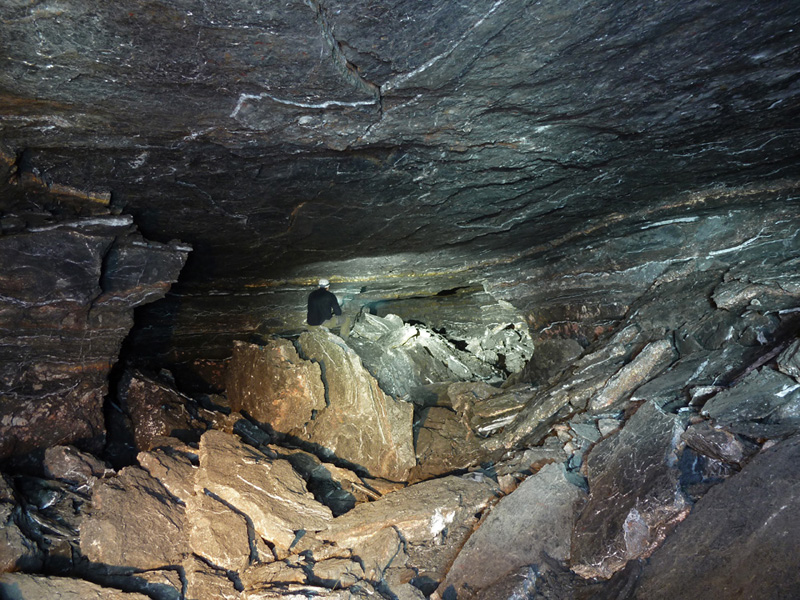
x=419 y=148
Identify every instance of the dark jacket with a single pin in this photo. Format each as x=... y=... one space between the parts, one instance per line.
x=322 y=305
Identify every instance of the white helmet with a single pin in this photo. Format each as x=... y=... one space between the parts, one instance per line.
x=324 y=283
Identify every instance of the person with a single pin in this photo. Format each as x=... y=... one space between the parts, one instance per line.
x=322 y=304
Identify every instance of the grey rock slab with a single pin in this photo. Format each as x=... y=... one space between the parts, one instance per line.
x=134 y=522
x=718 y=443
x=740 y=540
x=268 y=491
x=23 y=586
x=360 y=423
x=765 y=397
x=789 y=360
x=653 y=358
x=532 y=522
x=635 y=497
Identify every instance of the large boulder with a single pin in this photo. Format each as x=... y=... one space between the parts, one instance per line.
x=324 y=397
x=740 y=540
x=526 y=526
x=269 y=492
x=635 y=497
x=134 y=522
x=360 y=424
x=273 y=385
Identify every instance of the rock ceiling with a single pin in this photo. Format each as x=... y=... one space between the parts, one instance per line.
x=405 y=148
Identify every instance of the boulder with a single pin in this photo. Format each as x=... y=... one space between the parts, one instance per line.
x=529 y=524
x=433 y=518
x=156 y=410
x=134 y=522
x=360 y=424
x=740 y=540
x=272 y=495
x=765 y=404
x=635 y=497
x=217 y=533
x=450 y=434
x=273 y=385
x=69 y=464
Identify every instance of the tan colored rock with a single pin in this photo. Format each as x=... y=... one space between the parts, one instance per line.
x=360 y=424
x=173 y=468
x=134 y=522
x=205 y=583
x=268 y=491
x=433 y=518
x=217 y=533
x=22 y=586
x=274 y=385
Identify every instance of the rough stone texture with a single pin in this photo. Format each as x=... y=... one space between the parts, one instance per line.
x=635 y=498
x=16 y=550
x=173 y=468
x=451 y=434
x=718 y=443
x=156 y=410
x=21 y=586
x=789 y=360
x=69 y=464
x=403 y=356
x=360 y=424
x=268 y=491
x=134 y=522
x=740 y=540
x=763 y=405
x=274 y=385
x=203 y=582
x=69 y=289
x=533 y=522
x=217 y=534
x=433 y=518
x=653 y=358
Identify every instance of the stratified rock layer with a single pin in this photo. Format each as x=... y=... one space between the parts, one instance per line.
x=69 y=290
x=740 y=541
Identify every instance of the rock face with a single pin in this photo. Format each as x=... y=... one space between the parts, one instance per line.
x=740 y=538
x=274 y=385
x=635 y=495
x=69 y=290
x=134 y=523
x=530 y=524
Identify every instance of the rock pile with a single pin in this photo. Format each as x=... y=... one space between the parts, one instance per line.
x=591 y=475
